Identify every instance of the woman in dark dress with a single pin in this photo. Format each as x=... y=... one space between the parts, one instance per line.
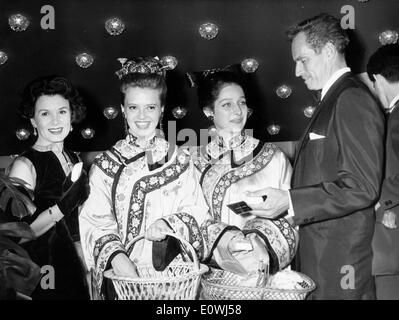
x=52 y=104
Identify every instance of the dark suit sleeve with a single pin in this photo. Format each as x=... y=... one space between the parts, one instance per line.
x=359 y=129
x=390 y=187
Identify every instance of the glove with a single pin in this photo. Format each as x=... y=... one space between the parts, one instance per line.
x=73 y=194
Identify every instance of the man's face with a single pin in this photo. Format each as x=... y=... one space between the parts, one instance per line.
x=311 y=66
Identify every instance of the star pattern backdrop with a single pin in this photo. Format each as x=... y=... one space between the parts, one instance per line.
x=199 y=34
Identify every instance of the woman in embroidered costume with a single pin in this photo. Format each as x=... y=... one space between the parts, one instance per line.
x=52 y=103
x=142 y=184
x=232 y=164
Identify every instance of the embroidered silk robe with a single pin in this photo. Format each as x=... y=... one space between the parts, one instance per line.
x=225 y=174
x=130 y=189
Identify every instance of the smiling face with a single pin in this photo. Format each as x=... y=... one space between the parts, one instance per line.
x=142 y=108
x=314 y=68
x=230 y=110
x=52 y=119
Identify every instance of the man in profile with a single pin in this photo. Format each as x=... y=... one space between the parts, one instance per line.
x=383 y=71
x=337 y=169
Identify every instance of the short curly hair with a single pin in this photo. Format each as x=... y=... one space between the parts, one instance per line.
x=320 y=30
x=50 y=86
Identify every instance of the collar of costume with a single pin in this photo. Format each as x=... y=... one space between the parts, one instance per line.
x=132 y=139
x=156 y=153
x=234 y=142
x=240 y=147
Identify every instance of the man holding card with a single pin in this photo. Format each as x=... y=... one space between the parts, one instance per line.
x=337 y=169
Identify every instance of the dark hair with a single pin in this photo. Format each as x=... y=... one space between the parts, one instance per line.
x=50 y=86
x=320 y=30
x=385 y=61
x=144 y=80
x=210 y=87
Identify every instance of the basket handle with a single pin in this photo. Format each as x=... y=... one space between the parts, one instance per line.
x=174 y=235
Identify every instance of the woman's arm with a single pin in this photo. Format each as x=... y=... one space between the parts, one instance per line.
x=23 y=169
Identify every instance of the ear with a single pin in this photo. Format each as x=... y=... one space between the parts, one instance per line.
x=329 y=50
x=33 y=122
x=379 y=78
x=123 y=109
x=208 y=112
x=162 y=109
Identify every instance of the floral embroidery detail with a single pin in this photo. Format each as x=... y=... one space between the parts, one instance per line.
x=101 y=242
x=113 y=244
x=181 y=222
x=147 y=184
x=282 y=237
x=236 y=174
x=107 y=165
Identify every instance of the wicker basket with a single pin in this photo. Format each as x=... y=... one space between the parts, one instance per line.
x=222 y=285
x=179 y=281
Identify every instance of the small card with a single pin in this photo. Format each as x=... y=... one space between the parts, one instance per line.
x=240 y=207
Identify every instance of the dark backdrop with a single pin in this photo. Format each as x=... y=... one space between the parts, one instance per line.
x=250 y=28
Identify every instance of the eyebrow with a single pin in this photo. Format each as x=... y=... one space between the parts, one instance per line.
x=44 y=109
x=231 y=98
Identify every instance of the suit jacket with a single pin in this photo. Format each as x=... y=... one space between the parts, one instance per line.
x=336 y=182
x=386 y=241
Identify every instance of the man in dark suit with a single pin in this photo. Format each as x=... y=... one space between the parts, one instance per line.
x=383 y=70
x=337 y=169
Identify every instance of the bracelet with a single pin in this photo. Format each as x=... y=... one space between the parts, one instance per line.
x=51 y=215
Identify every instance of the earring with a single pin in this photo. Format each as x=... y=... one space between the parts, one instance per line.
x=160 y=121
x=126 y=126
x=34 y=131
x=208 y=113
x=160 y=132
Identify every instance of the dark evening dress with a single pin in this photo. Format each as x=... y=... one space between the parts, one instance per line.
x=55 y=247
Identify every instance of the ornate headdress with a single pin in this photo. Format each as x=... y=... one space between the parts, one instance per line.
x=141 y=65
x=196 y=77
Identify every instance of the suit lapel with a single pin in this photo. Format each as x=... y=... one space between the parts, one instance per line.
x=326 y=101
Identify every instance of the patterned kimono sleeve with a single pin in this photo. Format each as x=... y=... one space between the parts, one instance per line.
x=214 y=232
x=280 y=238
x=98 y=226
x=190 y=210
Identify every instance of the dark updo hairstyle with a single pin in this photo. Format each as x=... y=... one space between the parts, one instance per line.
x=210 y=86
x=144 y=80
x=50 y=86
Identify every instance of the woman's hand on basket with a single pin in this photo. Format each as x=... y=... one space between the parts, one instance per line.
x=123 y=266
x=157 y=231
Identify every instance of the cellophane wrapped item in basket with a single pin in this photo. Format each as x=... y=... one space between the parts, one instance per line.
x=284 y=285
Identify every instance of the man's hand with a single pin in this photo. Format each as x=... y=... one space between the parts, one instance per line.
x=157 y=231
x=276 y=203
